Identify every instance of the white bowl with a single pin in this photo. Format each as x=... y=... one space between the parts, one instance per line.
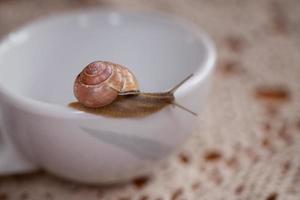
x=38 y=65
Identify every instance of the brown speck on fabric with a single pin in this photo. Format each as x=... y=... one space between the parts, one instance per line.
x=144 y=197
x=184 y=158
x=229 y=67
x=284 y=134
x=266 y=143
x=279 y=20
x=141 y=182
x=196 y=186
x=272 y=196
x=212 y=155
x=235 y=43
x=286 y=167
x=4 y=196
x=272 y=94
x=266 y=127
x=232 y=162
x=239 y=190
x=176 y=194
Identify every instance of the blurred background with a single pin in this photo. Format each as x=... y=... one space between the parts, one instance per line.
x=247 y=142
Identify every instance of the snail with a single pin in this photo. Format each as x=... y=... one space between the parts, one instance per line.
x=112 y=90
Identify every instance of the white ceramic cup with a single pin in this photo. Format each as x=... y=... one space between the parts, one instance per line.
x=38 y=65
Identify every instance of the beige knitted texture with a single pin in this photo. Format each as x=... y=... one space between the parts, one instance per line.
x=247 y=145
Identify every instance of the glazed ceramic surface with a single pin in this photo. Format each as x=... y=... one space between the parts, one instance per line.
x=38 y=65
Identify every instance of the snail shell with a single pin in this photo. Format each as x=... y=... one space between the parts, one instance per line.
x=101 y=82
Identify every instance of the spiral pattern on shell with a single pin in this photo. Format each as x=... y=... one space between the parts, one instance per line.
x=101 y=82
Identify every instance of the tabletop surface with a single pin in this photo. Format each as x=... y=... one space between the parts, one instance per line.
x=247 y=144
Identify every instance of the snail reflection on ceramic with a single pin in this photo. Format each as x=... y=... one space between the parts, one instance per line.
x=110 y=89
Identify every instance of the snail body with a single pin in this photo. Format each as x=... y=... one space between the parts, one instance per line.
x=117 y=101
x=139 y=105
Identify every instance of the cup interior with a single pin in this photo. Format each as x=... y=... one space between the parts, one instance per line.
x=41 y=60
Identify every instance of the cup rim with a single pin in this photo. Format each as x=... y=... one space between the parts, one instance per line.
x=44 y=108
